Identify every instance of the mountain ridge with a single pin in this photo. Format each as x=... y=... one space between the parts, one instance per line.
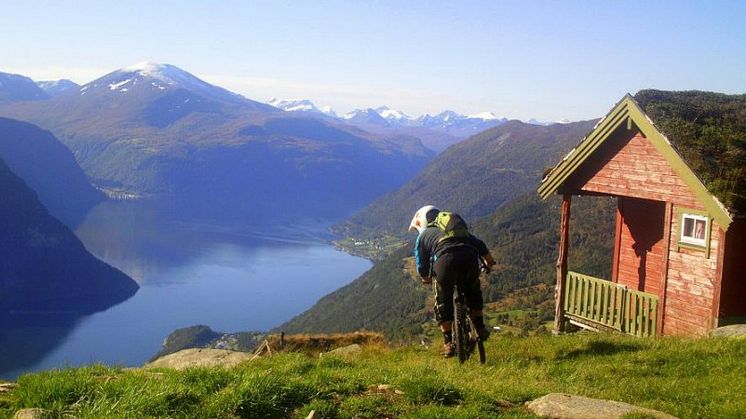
x=57 y=87
x=473 y=177
x=152 y=130
x=17 y=87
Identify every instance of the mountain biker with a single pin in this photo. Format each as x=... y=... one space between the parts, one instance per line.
x=450 y=260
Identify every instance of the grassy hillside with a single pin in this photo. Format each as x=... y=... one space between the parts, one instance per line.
x=683 y=377
x=522 y=235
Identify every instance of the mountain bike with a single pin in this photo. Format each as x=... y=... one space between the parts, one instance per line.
x=465 y=335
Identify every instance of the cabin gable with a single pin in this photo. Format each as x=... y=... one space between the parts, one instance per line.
x=628 y=164
x=670 y=241
x=628 y=114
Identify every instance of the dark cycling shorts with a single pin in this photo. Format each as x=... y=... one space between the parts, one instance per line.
x=460 y=266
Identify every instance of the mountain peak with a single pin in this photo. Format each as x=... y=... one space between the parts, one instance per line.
x=448 y=115
x=147 y=66
x=293 y=104
x=57 y=87
x=487 y=116
x=156 y=78
x=167 y=73
x=301 y=105
x=328 y=111
x=392 y=114
x=365 y=116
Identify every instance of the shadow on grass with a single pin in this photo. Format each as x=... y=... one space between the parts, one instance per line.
x=596 y=348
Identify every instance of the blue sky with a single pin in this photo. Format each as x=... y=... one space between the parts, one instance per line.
x=522 y=59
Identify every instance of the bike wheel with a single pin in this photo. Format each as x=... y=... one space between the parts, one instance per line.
x=460 y=328
x=482 y=356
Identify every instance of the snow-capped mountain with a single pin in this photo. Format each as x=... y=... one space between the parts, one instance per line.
x=149 y=78
x=158 y=94
x=486 y=116
x=294 y=105
x=329 y=111
x=17 y=87
x=454 y=125
x=301 y=105
x=363 y=117
x=451 y=118
x=158 y=131
x=445 y=117
x=460 y=125
x=56 y=87
x=393 y=116
x=534 y=121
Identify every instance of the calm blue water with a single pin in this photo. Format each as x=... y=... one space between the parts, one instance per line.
x=232 y=279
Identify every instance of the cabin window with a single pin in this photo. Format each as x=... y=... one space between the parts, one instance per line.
x=694 y=229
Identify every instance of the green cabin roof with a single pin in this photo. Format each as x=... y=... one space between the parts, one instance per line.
x=701 y=134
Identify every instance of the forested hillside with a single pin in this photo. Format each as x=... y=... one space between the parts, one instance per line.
x=523 y=236
x=43 y=266
x=49 y=168
x=473 y=177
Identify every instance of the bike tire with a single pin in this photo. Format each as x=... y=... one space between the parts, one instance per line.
x=460 y=327
x=482 y=355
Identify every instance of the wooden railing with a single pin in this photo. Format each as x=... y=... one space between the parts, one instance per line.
x=642 y=313
x=610 y=305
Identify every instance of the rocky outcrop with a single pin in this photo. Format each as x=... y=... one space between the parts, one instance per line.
x=201 y=336
x=568 y=406
x=7 y=387
x=345 y=351
x=33 y=413
x=732 y=331
x=200 y=357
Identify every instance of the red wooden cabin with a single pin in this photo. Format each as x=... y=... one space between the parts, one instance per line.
x=679 y=262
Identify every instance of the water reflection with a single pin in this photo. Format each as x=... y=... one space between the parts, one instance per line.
x=25 y=338
x=231 y=278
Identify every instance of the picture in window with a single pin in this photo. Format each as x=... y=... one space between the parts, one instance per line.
x=694 y=229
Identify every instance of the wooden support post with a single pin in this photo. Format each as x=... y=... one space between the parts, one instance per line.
x=722 y=237
x=559 y=311
x=617 y=240
x=664 y=274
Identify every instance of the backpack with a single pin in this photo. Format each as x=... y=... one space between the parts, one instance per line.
x=451 y=224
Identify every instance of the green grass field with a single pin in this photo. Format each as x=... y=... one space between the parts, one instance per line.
x=703 y=378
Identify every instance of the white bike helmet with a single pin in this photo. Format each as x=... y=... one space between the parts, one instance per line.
x=420 y=219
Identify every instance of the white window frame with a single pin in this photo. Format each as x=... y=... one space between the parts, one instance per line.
x=693 y=240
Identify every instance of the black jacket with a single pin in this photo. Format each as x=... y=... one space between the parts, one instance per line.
x=428 y=247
